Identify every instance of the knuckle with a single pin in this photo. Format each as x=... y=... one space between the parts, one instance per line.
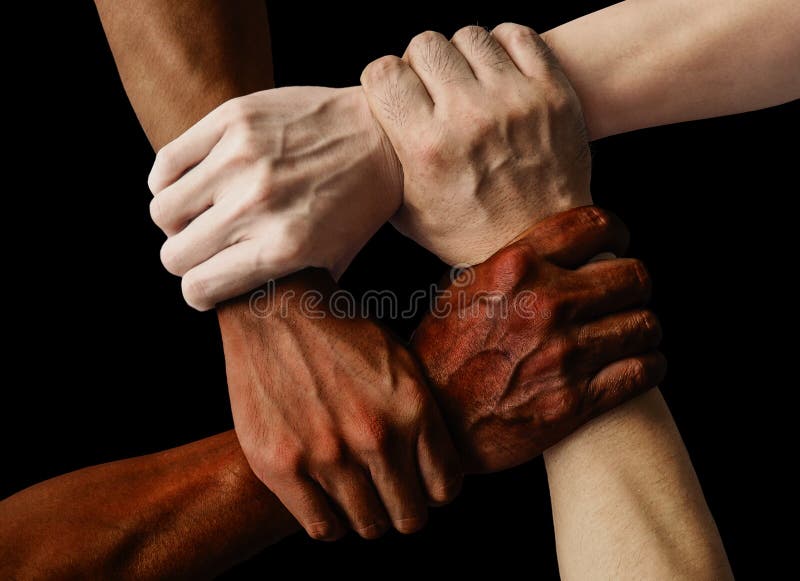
x=375 y=437
x=171 y=258
x=595 y=217
x=164 y=164
x=514 y=32
x=429 y=153
x=482 y=127
x=195 y=292
x=284 y=462
x=559 y=100
x=649 y=322
x=637 y=373
x=423 y=40
x=381 y=68
x=237 y=111
x=481 y=42
x=473 y=35
x=244 y=147
x=329 y=453
x=157 y=213
x=429 y=49
x=642 y=275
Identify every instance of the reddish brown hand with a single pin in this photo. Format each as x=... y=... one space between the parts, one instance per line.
x=540 y=342
x=333 y=412
x=508 y=389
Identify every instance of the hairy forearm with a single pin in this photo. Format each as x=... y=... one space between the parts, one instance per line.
x=642 y=63
x=189 y=512
x=627 y=503
x=179 y=59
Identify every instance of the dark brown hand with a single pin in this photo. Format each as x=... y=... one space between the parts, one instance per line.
x=541 y=342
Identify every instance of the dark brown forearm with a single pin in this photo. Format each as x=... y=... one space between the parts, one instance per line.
x=179 y=59
x=190 y=512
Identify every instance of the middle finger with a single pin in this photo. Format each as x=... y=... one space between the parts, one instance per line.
x=438 y=64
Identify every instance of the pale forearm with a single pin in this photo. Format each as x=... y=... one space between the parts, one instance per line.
x=627 y=503
x=189 y=512
x=642 y=63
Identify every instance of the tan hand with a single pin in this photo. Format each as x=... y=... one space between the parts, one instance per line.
x=489 y=133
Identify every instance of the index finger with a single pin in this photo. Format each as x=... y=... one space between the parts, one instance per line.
x=186 y=151
x=397 y=99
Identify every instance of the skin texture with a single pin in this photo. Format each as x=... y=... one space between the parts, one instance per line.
x=180 y=59
x=276 y=165
x=650 y=520
x=335 y=407
x=611 y=70
x=643 y=63
x=365 y=433
x=189 y=512
x=636 y=64
x=489 y=133
x=194 y=511
x=667 y=530
x=240 y=35
x=572 y=344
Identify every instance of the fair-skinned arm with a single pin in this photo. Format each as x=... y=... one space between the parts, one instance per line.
x=643 y=63
x=626 y=500
x=281 y=196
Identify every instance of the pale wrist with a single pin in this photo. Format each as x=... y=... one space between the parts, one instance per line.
x=383 y=153
x=474 y=241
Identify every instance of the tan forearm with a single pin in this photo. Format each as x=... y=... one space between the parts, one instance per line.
x=189 y=512
x=642 y=63
x=627 y=503
x=179 y=59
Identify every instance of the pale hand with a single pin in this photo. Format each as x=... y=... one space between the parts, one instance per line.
x=271 y=183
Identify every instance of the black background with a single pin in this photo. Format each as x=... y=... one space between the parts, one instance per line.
x=104 y=360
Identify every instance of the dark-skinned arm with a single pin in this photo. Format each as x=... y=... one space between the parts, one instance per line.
x=180 y=59
x=189 y=512
x=196 y=510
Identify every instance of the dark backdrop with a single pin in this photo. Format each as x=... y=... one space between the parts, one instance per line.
x=104 y=361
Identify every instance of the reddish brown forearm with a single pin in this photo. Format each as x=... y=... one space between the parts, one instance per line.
x=198 y=508
x=191 y=512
